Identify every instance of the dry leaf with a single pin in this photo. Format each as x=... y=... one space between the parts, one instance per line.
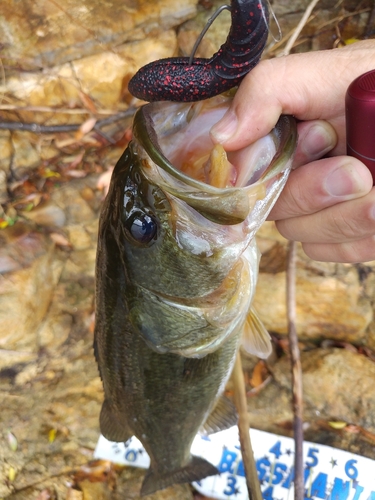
x=45 y=495
x=87 y=102
x=12 y=441
x=85 y=128
x=12 y=474
x=73 y=494
x=60 y=240
x=95 y=471
x=260 y=373
x=337 y=425
x=76 y=174
x=104 y=181
x=77 y=160
x=52 y=435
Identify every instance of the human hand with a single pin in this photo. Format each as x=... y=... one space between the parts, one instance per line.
x=328 y=204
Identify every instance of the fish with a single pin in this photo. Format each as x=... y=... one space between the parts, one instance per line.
x=177 y=265
x=189 y=79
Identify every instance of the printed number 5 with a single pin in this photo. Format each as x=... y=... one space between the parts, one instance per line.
x=314 y=459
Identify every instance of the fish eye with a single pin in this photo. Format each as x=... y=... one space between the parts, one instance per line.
x=142 y=227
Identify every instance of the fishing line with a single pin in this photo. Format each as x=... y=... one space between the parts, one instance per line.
x=277 y=38
x=206 y=28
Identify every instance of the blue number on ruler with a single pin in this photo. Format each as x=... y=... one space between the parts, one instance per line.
x=267 y=494
x=276 y=449
x=231 y=483
x=314 y=459
x=351 y=470
x=371 y=496
x=131 y=455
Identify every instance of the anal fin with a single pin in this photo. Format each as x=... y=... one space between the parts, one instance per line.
x=198 y=468
x=111 y=427
x=223 y=416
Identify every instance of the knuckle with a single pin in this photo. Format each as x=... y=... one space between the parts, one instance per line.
x=297 y=199
x=347 y=226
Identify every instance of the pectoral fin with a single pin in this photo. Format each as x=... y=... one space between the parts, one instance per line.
x=222 y=417
x=255 y=338
x=111 y=427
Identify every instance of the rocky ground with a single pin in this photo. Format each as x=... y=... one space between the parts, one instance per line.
x=69 y=64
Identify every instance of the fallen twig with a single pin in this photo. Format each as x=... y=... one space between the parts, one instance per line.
x=50 y=109
x=370 y=28
x=52 y=129
x=252 y=481
x=296 y=373
x=299 y=28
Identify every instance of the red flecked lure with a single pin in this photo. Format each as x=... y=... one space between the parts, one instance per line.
x=184 y=80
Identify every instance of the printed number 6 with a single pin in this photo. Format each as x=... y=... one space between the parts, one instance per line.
x=350 y=469
x=314 y=459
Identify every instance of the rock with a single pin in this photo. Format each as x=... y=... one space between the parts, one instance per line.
x=26 y=287
x=24 y=154
x=334 y=301
x=337 y=385
x=42 y=35
x=46 y=214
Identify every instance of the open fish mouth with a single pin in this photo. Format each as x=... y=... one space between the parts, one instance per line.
x=225 y=188
x=218 y=201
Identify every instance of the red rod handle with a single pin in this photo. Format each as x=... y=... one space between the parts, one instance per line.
x=360 y=120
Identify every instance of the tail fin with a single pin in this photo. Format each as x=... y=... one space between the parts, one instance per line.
x=197 y=469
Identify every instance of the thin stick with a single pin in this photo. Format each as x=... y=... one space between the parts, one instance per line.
x=52 y=129
x=50 y=109
x=370 y=29
x=252 y=481
x=296 y=372
x=299 y=28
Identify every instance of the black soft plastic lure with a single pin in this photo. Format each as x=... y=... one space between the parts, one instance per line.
x=186 y=80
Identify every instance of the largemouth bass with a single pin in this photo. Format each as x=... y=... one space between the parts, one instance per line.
x=177 y=266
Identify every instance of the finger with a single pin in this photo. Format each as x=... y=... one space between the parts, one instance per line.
x=309 y=86
x=345 y=222
x=321 y=184
x=315 y=139
x=274 y=87
x=352 y=252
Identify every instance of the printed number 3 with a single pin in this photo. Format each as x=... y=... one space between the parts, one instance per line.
x=314 y=459
x=231 y=483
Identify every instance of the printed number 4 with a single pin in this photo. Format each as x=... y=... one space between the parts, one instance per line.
x=276 y=449
x=312 y=453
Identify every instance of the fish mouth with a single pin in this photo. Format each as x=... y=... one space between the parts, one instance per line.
x=162 y=131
